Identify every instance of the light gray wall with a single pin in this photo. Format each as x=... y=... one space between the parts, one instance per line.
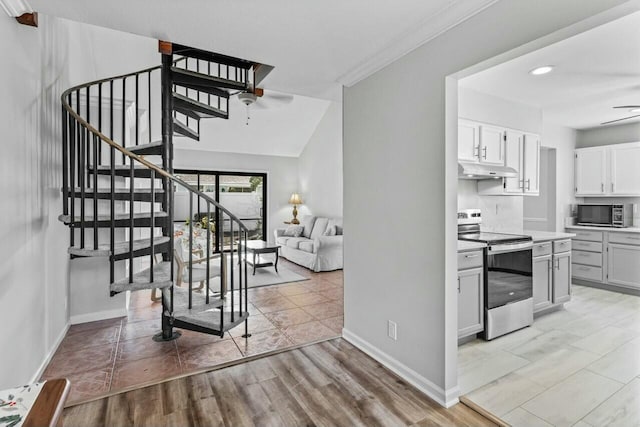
x=606 y=135
x=563 y=139
x=33 y=260
x=400 y=188
x=320 y=167
x=282 y=177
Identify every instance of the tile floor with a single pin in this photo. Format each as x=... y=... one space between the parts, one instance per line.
x=579 y=366
x=114 y=354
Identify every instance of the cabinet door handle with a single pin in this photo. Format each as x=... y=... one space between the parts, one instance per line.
x=528 y=183
x=458 y=285
x=602 y=187
x=472 y=256
x=484 y=153
x=612 y=187
x=476 y=147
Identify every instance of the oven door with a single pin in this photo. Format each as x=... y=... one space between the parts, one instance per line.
x=509 y=274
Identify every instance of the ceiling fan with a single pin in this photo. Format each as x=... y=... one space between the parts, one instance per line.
x=631 y=108
x=260 y=99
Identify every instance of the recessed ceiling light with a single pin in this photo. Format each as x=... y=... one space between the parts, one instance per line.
x=541 y=70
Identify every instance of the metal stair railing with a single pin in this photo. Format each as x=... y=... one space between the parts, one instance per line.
x=84 y=161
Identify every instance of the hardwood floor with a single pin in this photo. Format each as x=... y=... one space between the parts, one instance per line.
x=327 y=384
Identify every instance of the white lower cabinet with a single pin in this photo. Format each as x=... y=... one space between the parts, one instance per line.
x=470 y=293
x=624 y=265
x=551 y=274
x=561 y=277
x=607 y=257
x=542 y=282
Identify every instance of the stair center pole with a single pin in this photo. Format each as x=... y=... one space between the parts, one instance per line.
x=167 y=185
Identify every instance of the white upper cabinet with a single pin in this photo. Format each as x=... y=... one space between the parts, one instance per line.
x=625 y=170
x=480 y=143
x=468 y=141
x=609 y=170
x=514 y=156
x=531 y=162
x=522 y=153
x=590 y=171
x=491 y=145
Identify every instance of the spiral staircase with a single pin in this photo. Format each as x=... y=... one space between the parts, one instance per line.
x=118 y=184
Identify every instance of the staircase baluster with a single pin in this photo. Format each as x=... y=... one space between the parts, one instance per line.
x=149 y=105
x=111 y=110
x=190 y=246
x=95 y=191
x=136 y=109
x=209 y=253
x=246 y=289
x=232 y=267
x=100 y=119
x=131 y=216
x=124 y=118
x=88 y=115
x=72 y=174
x=153 y=223
x=82 y=170
x=209 y=73
x=240 y=270
x=65 y=163
x=112 y=205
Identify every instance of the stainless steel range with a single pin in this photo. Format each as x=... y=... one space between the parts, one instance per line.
x=508 y=283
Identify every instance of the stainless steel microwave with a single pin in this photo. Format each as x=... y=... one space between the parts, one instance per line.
x=605 y=215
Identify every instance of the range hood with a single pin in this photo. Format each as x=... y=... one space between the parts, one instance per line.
x=481 y=171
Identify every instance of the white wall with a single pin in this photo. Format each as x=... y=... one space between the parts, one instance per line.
x=320 y=167
x=33 y=260
x=401 y=247
x=282 y=177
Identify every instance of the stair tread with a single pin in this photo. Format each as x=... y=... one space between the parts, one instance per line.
x=104 y=249
x=184 y=130
x=161 y=276
x=206 y=110
x=119 y=216
x=211 y=319
x=199 y=305
x=212 y=80
x=152 y=146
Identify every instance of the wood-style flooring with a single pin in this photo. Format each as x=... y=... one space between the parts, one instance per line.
x=326 y=384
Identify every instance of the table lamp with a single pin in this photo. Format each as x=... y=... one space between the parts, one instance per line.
x=295 y=200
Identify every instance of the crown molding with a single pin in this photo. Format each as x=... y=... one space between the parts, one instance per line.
x=15 y=8
x=426 y=30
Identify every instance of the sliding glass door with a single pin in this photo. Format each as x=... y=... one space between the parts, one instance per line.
x=243 y=194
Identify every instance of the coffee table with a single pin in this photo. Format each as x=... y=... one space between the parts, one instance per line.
x=257 y=248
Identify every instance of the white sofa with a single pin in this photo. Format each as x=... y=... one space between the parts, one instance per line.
x=313 y=249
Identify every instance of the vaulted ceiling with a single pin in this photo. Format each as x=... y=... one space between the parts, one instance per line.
x=315 y=46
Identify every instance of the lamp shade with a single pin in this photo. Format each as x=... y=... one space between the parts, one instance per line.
x=295 y=199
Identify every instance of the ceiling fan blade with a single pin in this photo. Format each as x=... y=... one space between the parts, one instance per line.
x=619 y=120
x=627 y=106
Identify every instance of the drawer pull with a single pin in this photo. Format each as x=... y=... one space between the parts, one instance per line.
x=472 y=256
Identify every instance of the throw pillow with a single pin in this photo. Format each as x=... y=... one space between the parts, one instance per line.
x=293 y=231
x=330 y=231
x=307 y=222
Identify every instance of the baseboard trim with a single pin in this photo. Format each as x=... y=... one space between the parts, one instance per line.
x=47 y=359
x=446 y=398
x=100 y=315
x=607 y=287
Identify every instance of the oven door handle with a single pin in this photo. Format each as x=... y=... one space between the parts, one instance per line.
x=509 y=247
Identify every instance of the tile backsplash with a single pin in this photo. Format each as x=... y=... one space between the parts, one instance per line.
x=499 y=213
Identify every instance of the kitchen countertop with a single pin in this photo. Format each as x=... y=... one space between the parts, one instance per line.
x=464 y=245
x=545 y=236
x=610 y=229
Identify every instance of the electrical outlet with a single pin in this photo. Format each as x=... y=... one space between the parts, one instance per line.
x=392 y=330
